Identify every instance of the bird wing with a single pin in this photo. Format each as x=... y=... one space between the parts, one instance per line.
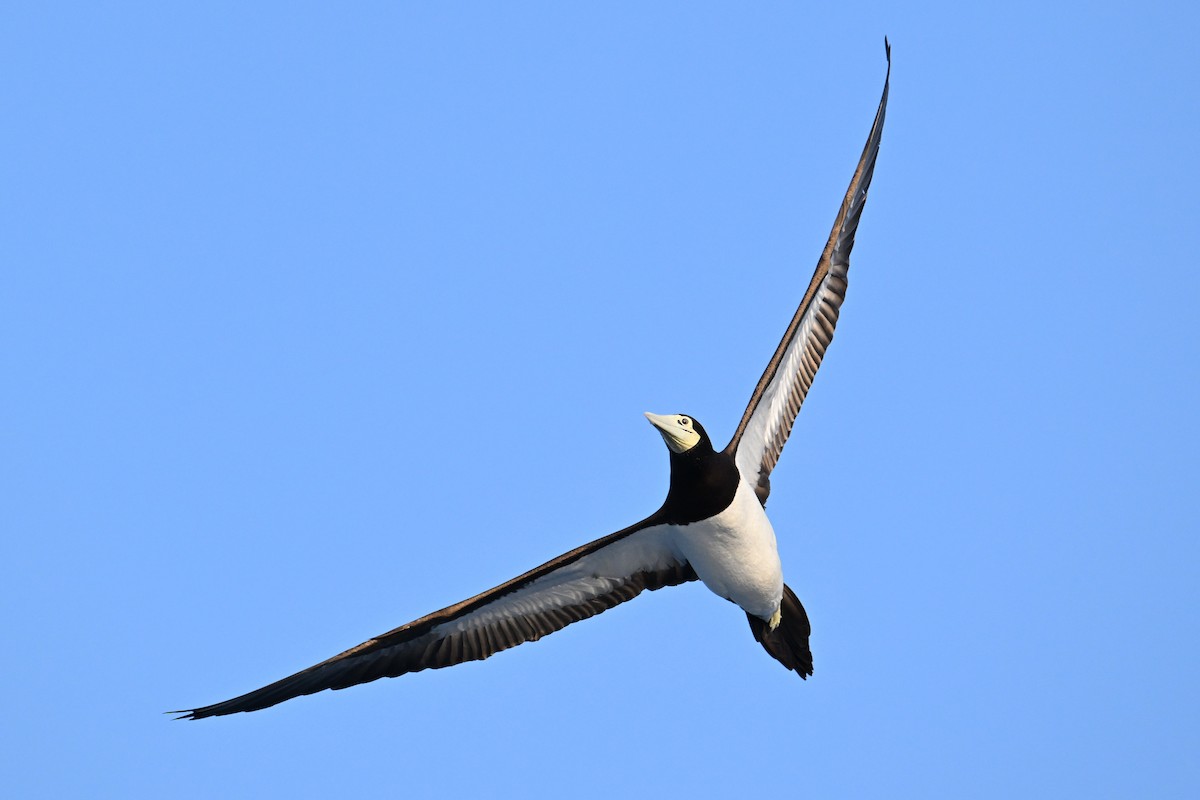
x=776 y=401
x=576 y=585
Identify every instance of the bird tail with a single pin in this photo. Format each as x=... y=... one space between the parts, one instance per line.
x=788 y=642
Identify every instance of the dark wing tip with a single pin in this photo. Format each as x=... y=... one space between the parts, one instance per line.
x=196 y=713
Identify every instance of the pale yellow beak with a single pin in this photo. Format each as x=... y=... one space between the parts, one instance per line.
x=677 y=431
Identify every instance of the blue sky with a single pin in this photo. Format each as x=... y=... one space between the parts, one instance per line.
x=313 y=321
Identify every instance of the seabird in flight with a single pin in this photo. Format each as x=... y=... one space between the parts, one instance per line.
x=712 y=526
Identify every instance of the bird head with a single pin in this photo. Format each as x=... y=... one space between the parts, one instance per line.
x=682 y=433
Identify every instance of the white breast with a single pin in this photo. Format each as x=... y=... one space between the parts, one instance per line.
x=734 y=553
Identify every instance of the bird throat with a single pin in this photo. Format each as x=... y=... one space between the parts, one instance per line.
x=702 y=486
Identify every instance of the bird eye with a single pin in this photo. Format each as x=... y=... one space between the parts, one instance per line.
x=684 y=421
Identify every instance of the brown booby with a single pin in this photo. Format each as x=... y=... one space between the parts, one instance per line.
x=712 y=525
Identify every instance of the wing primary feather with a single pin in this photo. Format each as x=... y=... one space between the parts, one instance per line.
x=542 y=601
x=769 y=416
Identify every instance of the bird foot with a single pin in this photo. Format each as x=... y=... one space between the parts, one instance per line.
x=775 y=619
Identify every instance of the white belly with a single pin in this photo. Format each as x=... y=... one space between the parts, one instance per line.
x=734 y=553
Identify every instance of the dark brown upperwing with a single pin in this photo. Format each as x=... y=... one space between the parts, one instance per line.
x=466 y=631
x=772 y=410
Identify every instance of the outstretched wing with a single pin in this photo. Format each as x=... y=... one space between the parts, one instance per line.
x=776 y=401
x=572 y=587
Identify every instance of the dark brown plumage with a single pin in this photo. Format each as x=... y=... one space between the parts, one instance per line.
x=788 y=643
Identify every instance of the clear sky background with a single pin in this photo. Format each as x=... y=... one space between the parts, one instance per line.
x=314 y=320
